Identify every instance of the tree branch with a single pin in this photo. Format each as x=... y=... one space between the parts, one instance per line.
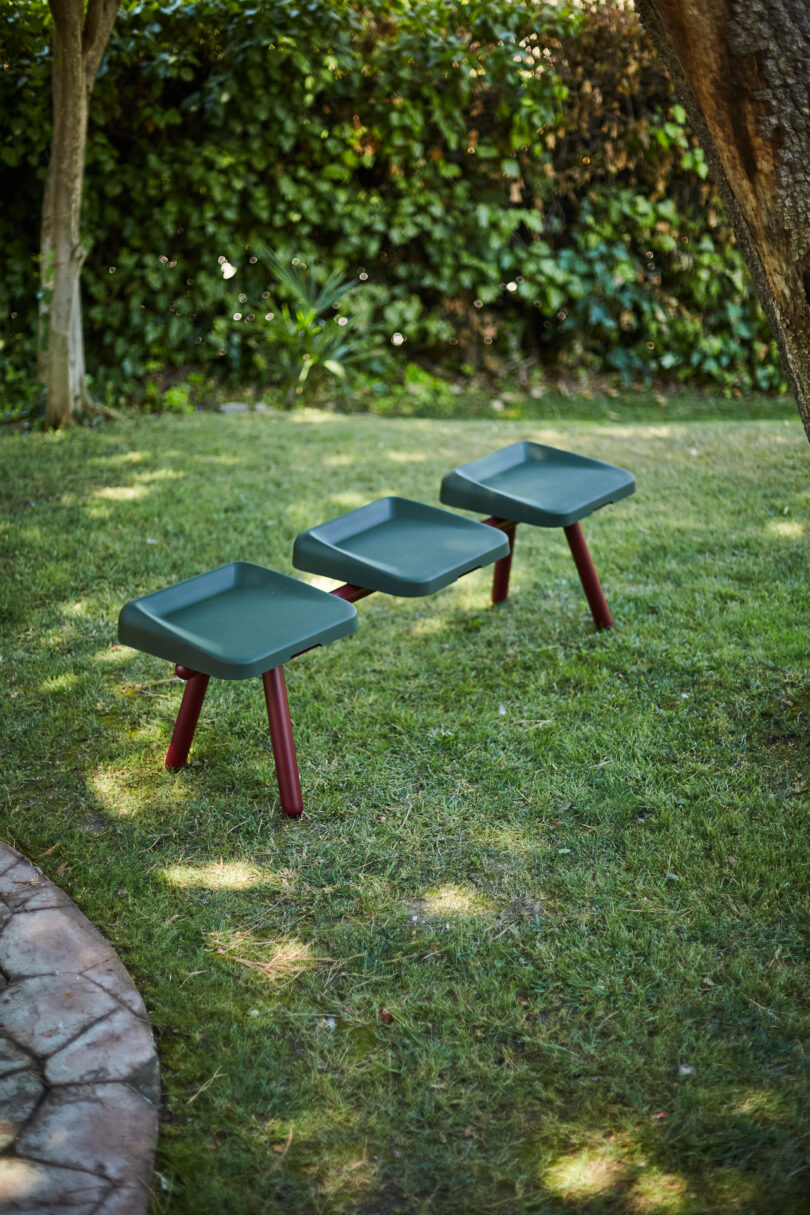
x=92 y=21
x=98 y=25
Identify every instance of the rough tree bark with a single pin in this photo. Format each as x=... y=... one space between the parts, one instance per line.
x=80 y=35
x=742 y=69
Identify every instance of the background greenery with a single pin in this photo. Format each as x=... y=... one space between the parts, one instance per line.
x=512 y=181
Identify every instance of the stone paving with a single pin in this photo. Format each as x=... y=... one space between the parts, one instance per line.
x=79 y=1083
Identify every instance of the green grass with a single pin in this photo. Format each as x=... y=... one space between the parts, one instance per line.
x=423 y=395
x=573 y=866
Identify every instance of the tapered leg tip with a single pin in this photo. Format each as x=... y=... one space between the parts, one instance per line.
x=173 y=764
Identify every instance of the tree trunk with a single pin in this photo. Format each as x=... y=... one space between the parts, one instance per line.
x=742 y=68
x=79 y=40
x=61 y=250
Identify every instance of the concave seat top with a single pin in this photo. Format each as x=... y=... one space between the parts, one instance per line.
x=531 y=483
x=234 y=622
x=399 y=547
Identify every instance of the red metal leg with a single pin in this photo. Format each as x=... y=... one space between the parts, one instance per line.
x=588 y=576
x=500 y=575
x=281 y=736
x=350 y=592
x=186 y=724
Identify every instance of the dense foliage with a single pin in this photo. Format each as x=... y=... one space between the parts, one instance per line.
x=510 y=180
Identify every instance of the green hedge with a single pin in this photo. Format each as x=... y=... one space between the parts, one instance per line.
x=504 y=190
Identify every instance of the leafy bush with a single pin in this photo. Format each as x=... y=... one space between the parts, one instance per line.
x=498 y=171
x=301 y=342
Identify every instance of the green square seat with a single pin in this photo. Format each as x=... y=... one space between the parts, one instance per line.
x=234 y=622
x=399 y=547
x=531 y=483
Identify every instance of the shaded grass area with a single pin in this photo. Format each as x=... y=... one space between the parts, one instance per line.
x=423 y=395
x=571 y=866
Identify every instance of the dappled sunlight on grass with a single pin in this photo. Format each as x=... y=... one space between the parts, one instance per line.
x=428 y=625
x=789 y=529
x=405 y=457
x=656 y=1193
x=277 y=960
x=315 y=417
x=586 y=1173
x=219 y=875
x=513 y=840
x=121 y=457
x=344 y=500
x=112 y=794
x=755 y=1101
x=59 y=683
x=641 y=432
x=613 y=1167
x=115 y=655
x=121 y=493
x=145 y=484
x=97 y=513
x=160 y=475
x=122 y=794
x=455 y=900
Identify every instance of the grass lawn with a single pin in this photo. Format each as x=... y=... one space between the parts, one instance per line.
x=573 y=866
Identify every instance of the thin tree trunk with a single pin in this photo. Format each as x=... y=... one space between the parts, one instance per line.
x=79 y=40
x=742 y=69
x=45 y=273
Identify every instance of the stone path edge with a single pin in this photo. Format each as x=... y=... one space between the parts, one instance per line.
x=79 y=1078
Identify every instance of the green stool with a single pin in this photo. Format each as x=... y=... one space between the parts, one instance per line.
x=398 y=547
x=238 y=621
x=546 y=487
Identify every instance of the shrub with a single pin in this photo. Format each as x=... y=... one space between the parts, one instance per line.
x=485 y=165
x=303 y=342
